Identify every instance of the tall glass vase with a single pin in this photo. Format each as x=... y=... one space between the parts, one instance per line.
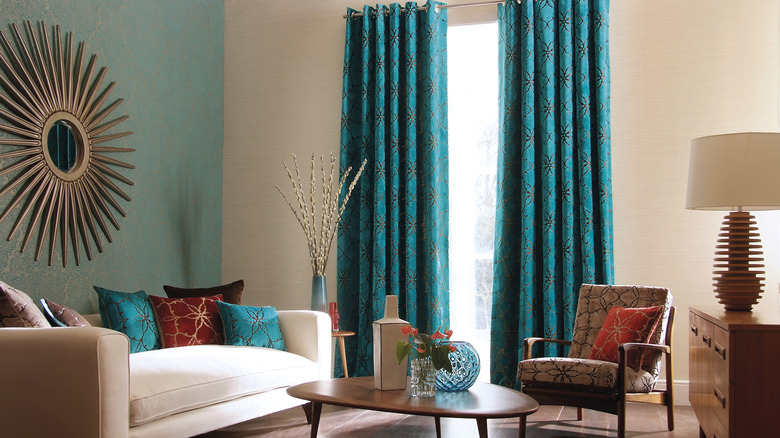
x=319 y=294
x=423 y=377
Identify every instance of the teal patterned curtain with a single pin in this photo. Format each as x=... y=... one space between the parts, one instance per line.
x=554 y=195
x=393 y=237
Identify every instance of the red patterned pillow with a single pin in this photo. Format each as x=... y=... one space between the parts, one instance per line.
x=188 y=321
x=623 y=325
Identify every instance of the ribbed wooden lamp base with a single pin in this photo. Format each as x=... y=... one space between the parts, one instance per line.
x=738 y=283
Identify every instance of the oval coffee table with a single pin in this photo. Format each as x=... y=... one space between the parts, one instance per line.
x=482 y=401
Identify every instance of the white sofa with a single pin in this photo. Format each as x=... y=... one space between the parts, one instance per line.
x=81 y=382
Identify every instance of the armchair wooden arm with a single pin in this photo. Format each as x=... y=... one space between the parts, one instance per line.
x=528 y=342
x=628 y=346
x=665 y=397
x=623 y=350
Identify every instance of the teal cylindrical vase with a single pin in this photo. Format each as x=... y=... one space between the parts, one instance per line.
x=465 y=368
x=319 y=294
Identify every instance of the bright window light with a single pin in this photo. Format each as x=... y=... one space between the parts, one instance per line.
x=473 y=140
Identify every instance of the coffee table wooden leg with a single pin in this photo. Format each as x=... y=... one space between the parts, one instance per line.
x=307 y=410
x=437 y=421
x=521 y=434
x=482 y=427
x=316 y=410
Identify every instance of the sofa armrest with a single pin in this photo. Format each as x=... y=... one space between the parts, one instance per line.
x=64 y=379
x=308 y=334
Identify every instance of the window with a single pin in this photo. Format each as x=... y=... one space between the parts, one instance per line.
x=473 y=140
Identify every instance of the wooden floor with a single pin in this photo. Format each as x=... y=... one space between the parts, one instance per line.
x=549 y=422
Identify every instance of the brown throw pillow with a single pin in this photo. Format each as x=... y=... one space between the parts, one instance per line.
x=17 y=309
x=231 y=292
x=63 y=316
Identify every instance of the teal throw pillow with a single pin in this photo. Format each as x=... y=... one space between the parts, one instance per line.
x=131 y=314
x=251 y=326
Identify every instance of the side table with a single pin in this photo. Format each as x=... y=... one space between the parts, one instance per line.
x=340 y=335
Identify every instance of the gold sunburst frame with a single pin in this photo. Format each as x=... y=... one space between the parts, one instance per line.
x=45 y=87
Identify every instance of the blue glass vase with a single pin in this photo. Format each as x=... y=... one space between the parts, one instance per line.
x=465 y=369
x=319 y=294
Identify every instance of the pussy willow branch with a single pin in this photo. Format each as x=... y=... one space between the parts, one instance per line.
x=344 y=203
x=301 y=213
x=320 y=232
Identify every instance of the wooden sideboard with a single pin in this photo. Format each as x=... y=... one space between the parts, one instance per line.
x=735 y=371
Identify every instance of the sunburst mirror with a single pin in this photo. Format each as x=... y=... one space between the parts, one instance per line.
x=54 y=153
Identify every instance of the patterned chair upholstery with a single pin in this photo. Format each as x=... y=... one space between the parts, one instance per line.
x=578 y=381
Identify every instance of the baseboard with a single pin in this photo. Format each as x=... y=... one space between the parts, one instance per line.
x=680 y=392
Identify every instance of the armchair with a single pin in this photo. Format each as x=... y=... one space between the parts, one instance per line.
x=606 y=386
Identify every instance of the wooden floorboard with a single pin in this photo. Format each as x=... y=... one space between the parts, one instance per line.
x=549 y=422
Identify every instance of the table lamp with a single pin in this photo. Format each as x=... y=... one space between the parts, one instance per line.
x=737 y=173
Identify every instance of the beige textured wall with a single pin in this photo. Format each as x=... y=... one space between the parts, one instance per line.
x=679 y=70
x=682 y=70
x=282 y=96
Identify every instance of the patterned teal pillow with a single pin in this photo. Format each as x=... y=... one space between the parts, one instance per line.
x=131 y=314
x=251 y=326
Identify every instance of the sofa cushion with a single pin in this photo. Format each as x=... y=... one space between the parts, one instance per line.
x=62 y=316
x=17 y=309
x=230 y=292
x=131 y=314
x=251 y=326
x=172 y=380
x=188 y=321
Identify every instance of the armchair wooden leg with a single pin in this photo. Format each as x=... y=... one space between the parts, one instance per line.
x=579 y=414
x=621 y=425
x=669 y=396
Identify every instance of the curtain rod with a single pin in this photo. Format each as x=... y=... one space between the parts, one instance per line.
x=425 y=8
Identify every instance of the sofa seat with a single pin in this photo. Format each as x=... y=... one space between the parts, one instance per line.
x=172 y=380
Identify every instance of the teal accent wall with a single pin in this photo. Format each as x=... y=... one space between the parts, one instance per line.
x=166 y=57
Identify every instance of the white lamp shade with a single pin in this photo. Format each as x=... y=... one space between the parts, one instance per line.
x=734 y=172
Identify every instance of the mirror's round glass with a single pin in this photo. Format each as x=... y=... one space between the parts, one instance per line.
x=63 y=147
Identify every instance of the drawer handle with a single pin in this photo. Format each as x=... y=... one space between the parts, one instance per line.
x=721 y=398
x=720 y=351
x=695 y=330
x=706 y=339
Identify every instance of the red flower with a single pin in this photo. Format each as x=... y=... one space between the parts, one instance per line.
x=408 y=330
x=436 y=346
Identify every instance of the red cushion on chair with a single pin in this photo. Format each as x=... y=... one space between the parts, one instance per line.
x=623 y=325
x=188 y=321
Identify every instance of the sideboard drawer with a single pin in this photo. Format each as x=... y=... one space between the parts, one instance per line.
x=718 y=430
x=720 y=375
